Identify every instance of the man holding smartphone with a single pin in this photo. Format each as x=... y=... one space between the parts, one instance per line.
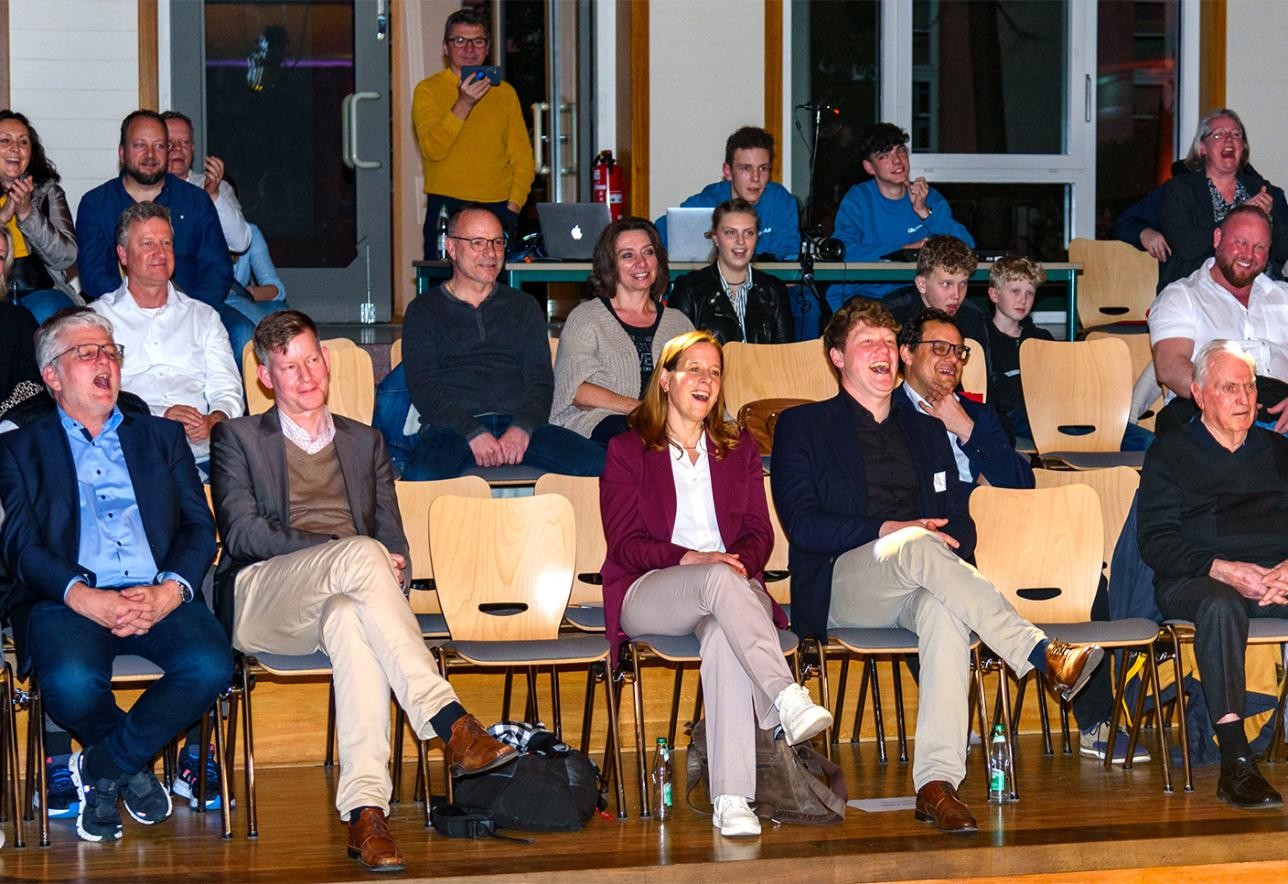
x=473 y=140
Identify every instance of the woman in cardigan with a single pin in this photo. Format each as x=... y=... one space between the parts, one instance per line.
x=683 y=503
x=727 y=298
x=33 y=208
x=609 y=344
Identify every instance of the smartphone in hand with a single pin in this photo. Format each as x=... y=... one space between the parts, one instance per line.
x=480 y=71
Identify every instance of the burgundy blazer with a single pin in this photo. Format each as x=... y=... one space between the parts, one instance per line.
x=637 y=502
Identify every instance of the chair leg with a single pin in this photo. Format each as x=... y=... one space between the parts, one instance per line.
x=225 y=793
x=203 y=756
x=36 y=710
x=423 y=785
x=1066 y=744
x=395 y=761
x=1277 y=732
x=824 y=695
x=11 y=759
x=556 y=713
x=839 y=709
x=901 y=726
x=637 y=696
x=248 y=750
x=978 y=667
x=1164 y=748
x=230 y=732
x=1120 y=697
x=878 y=718
x=587 y=711
x=531 y=711
x=698 y=707
x=859 y=704
x=1004 y=694
x=329 y=760
x=447 y=770
x=1040 y=696
x=615 y=741
x=1179 y=675
x=1138 y=715
x=507 y=692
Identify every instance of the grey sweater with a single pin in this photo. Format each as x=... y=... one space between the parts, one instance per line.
x=593 y=348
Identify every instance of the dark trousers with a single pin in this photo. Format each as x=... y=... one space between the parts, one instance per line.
x=443 y=453
x=72 y=658
x=1220 y=618
x=434 y=202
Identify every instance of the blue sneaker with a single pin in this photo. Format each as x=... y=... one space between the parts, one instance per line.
x=97 y=818
x=64 y=797
x=1094 y=742
x=187 y=783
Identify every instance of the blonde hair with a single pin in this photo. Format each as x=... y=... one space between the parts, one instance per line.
x=1010 y=268
x=649 y=418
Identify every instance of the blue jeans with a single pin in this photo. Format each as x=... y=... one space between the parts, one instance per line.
x=240 y=315
x=393 y=402
x=443 y=453
x=44 y=303
x=72 y=657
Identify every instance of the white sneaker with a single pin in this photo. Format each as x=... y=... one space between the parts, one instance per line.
x=733 y=817
x=801 y=718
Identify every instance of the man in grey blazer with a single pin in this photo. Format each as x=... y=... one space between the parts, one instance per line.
x=315 y=558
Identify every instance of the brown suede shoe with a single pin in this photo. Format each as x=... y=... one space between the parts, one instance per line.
x=371 y=844
x=937 y=803
x=1069 y=666
x=473 y=750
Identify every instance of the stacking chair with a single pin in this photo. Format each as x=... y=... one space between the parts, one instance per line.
x=1077 y=395
x=975 y=373
x=353 y=381
x=1117 y=285
x=10 y=788
x=776 y=371
x=1115 y=487
x=1042 y=548
x=1142 y=358
x=586 y=605
x=395 y=354
x=504 y=570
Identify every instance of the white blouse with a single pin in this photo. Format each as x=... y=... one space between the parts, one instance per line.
x=696 y=527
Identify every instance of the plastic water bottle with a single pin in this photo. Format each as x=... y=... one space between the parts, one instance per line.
x=442 y=232
x=999 y=768
x=662 y=778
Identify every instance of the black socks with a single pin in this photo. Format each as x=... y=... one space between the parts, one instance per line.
x=1232 y=741
x=446 y=717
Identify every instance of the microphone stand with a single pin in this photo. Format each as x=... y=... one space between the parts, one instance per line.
x=806 y=252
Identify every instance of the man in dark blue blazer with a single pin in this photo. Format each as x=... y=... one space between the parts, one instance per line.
x=108 y=535
x=877 y=519
x=933 y=354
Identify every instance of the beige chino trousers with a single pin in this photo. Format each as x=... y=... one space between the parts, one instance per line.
x=342 y=598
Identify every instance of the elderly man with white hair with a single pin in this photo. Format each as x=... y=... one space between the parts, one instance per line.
x=1213 y=524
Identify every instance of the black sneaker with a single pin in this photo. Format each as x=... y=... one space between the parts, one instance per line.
x=97 y=818
x=145 y=798
x=64 y=797
x=187 y=783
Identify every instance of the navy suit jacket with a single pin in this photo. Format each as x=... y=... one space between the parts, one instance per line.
x=41 y=499
x=820 y=491
x=988 y=450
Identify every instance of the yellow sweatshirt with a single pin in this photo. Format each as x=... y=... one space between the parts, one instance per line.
x=486 y=158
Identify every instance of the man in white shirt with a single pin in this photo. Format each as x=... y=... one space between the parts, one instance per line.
x=180 y=361
x=1228 y=297
x=210 y=179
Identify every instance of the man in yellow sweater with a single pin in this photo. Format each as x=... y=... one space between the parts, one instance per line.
x=473 y=141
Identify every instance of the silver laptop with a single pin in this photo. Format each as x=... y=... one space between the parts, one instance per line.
x=570 y=230
x=686 y=234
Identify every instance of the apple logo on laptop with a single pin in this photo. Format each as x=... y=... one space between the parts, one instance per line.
x=576 y=232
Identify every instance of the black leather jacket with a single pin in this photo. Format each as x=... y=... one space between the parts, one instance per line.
x=700 y=296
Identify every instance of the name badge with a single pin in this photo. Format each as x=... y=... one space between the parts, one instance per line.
x=941 y=482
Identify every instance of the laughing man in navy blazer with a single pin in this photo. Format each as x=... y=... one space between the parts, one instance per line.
x=876 y=515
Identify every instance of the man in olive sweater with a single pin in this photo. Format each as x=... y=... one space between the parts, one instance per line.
x=478 y=368
x=1213 y=524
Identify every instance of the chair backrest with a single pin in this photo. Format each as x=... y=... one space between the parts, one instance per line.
x=1115 y=487
x=583 y=493
x=1077 y=394
x=503 y=566
x=353 y=381
x=554 y=349
x=975 y=373
x=1117 y=283
x=414 y=501
x=776 y=371
x=395 y=354
x=1142 y=357
x=776 y=567
x=1041 y=548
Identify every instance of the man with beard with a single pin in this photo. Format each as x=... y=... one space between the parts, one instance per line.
x=202 y=267
x=1229 y=297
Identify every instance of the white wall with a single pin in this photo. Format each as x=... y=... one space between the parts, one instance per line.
x=706 y=78
x=74 y=71
x=1254 y=81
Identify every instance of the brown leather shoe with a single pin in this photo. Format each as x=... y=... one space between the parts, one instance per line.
x=473 y=750
x=937 y=803
x=371 y=844
x=1069 y=666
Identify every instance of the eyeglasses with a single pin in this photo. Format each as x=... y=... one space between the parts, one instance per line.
x=462 y=42
x=479 y=243
x=1220 y=135
x=943 y=348
x=91 y=352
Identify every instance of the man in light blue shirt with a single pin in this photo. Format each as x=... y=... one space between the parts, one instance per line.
x=144 y=539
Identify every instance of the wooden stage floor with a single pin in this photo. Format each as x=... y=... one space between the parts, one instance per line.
x=1075 y=821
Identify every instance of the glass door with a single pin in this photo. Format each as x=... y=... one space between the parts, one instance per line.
x=294 y=97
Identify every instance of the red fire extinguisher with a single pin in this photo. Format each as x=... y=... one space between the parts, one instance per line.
x=608 y=186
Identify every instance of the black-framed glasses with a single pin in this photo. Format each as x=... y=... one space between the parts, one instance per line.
x=478 y=243
x=943 y=348
x=476 y=42
x=90 y=352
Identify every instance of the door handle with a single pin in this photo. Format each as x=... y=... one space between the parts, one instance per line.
x=570 y=108
x=539 y=109
x=349 y=131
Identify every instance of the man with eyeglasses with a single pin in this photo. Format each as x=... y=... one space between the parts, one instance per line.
x=477 y=358
x=880 y=536
x=473 y=140
x=933 y=356
x=108 y=536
